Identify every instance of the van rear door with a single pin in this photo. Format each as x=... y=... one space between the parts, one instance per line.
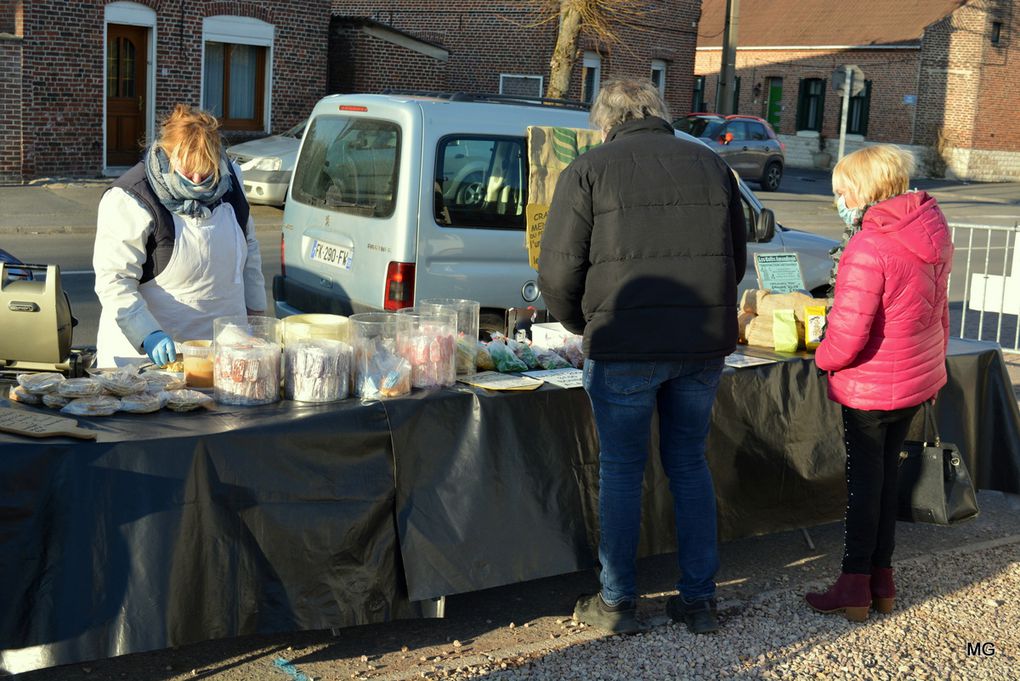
x=354 y=186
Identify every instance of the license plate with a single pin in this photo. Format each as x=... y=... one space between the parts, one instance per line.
x=331 y=254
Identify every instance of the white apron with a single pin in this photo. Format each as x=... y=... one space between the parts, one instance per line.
x=203 y=280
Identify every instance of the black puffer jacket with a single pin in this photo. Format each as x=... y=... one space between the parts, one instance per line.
x=644 y=246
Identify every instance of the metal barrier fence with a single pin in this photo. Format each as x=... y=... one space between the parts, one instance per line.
x=987 y=267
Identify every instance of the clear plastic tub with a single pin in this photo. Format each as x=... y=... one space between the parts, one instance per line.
x=379 y=370
x=246 y=360
x=302 y=326
x=198 y=364
x=467 y=312
x=317 y=370
x=428 y=342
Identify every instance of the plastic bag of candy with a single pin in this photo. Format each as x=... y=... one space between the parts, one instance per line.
x=572 y=352
x=483 y=360
x=524 y=353
x=504 y=358
x=549 y=359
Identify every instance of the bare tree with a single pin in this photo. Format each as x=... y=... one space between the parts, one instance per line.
x=600 y=19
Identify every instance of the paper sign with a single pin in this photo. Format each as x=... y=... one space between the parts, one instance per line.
x=779 y=272
x=535 y=214
x=738 y=360
x=563 y=378
x=493 y=380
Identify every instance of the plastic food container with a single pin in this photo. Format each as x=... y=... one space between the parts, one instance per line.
x=427 y=339
x=246 y=360
x=198 y=364
x=317 y=370
x=467 y=312
x=379 y=370
x=301 y=326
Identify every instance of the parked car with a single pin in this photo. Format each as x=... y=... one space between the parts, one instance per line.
x=266 y=165
x=396 y=198
x=748 y=143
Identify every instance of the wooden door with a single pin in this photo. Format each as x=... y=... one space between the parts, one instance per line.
x=774 y=108
x=126 y=61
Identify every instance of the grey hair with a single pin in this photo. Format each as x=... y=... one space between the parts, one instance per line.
x=626 y=99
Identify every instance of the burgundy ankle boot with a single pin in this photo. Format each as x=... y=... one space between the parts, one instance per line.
x=883 y=590
x=851 y=595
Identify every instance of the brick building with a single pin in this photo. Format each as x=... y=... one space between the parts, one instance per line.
x=937 y=72
x=83 y=83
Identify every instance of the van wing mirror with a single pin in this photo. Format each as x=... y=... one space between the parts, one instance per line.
x=765 y=226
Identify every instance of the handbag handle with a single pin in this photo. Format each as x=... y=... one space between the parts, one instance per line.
x=930 y=426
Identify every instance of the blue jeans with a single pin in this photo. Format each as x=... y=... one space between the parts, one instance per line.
x=623 y=396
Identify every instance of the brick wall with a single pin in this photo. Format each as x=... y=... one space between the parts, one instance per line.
x=63 y=89
x=486 y=39
x=997 y=124
x=893 y=74
x=10 y=110
x=359 y=62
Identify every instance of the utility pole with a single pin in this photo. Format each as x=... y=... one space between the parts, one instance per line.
x=728 y=72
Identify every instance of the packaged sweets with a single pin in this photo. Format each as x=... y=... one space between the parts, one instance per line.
x=483 y=360
x=317 y=370
x=157 y=381
x=19 y=394
x=185 y=399
x=40 y=384
x=572 y=352
x=427 y=341
x=467 y=313
x=246 y=360
x=93 y=405
x=379 y=369
x=784 y=331
x=55 y=401
x=143 y=403
x=504 y=358
x=547 y=359
x=524 y=353
x=121 y=382
x=80 y=387
x=814 y=326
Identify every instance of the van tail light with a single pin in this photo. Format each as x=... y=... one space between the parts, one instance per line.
x=283 y=260
x=399 y=285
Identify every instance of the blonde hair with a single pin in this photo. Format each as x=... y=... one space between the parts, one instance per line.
x=874 y=173
x=191 y=140
x=626 y=99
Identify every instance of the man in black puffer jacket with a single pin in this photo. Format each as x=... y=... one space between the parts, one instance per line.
x=643 y=249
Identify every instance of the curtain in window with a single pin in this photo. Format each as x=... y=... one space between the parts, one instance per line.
x=242 y=82
x=212 y=91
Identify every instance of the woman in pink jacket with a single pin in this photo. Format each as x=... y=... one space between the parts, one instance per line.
x=885 y=350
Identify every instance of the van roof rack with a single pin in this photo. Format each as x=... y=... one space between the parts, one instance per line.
x=495 y=99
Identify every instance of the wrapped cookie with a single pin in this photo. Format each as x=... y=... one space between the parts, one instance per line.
x=55 y=400
x=19 y=394
x=186 y=400
x=40 y=384
x=143 y=403
x=80 y=387
x=93 y=405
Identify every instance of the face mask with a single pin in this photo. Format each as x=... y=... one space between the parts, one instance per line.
x=851 y=216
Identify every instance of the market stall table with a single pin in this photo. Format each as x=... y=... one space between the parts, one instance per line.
x=173 y=528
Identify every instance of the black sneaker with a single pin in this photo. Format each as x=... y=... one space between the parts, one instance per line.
x=699 y=616
x=619 y=619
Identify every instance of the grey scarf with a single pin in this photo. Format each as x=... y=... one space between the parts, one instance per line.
x=180 y=195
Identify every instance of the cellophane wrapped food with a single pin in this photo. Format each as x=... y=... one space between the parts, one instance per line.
x=121 y=382
x=19 y=394
x=186 y=399
x=40 y=384
x=317 y=370
x=524 y=352
x=247 y=372
x=467 y=354
x=504 y=358
x=93 y=405
x=143 y=403
x=80 y=387
x=572 y=352
x=430 y=351
x=483 y=360
x=158 y=381
x=380 y=371
x=549 y=359
x=55 y=400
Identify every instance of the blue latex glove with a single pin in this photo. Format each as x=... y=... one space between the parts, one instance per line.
x=160 y=348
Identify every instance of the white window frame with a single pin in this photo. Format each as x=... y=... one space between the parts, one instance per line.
x=528 y=76
x=593 y=61
x=660 y=66
x=132 y=14
x=225 y=28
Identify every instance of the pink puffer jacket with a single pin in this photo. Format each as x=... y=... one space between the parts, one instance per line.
x=886 y=336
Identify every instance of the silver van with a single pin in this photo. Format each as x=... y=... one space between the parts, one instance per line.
x=395 y=198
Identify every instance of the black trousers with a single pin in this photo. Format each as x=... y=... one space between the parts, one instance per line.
x=873 y=443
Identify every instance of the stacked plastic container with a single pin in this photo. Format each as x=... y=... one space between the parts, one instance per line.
x=379 y=369
x=246 y=360
x=467 y=312
x=316 y=358
x=427 y=338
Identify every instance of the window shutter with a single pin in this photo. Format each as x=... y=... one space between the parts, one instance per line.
x=865 y=107
x=802 y=105
x=821 y=107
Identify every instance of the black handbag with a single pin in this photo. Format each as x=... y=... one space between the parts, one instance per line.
x=934 y=485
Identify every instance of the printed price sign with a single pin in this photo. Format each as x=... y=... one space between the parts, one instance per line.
x=779 y=272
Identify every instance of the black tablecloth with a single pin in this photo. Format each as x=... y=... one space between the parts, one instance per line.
x=172 y=528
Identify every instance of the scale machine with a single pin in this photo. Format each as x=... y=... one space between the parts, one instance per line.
x=36 y=322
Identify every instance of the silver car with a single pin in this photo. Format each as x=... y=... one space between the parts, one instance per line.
x=267 y=163
x=747 y=143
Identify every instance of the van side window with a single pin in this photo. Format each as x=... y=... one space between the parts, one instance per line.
x=349 y=165
x=480 y=182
